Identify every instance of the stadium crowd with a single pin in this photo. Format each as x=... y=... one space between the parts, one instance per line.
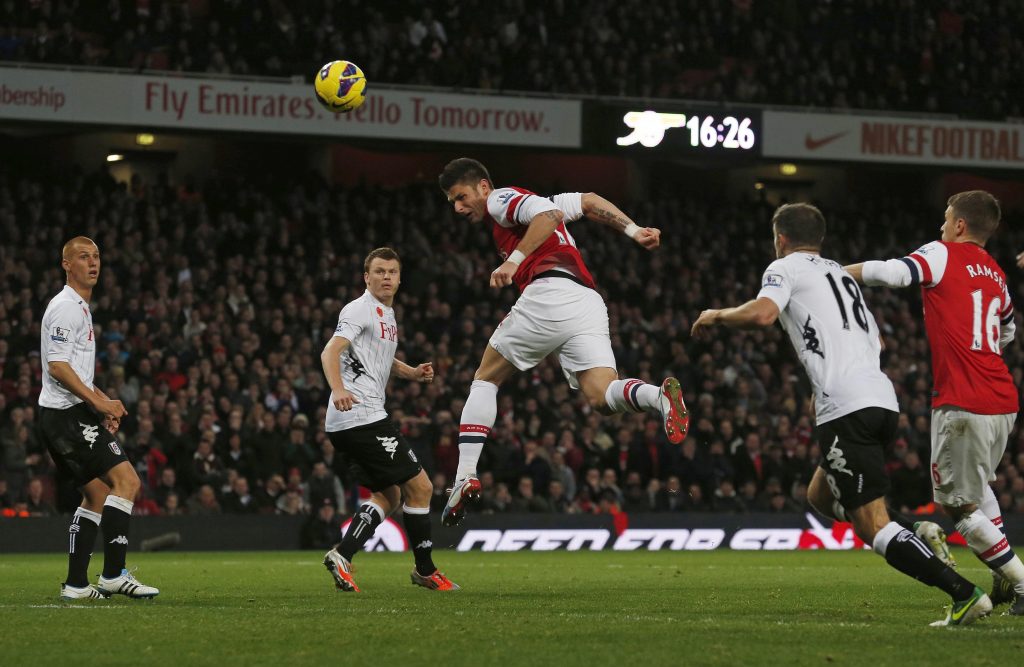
x=215 y=301
x=950 y=56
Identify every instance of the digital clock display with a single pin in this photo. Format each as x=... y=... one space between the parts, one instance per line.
x=649 y=129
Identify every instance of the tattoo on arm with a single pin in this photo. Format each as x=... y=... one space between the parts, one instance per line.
x=553 y=216
x=611 y=218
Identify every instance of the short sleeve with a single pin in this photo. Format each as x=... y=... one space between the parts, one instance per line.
x=776 y=284
x=510 y=207
x=928 y=263
x=571 y=205
x=351 y=321
x=63 y=326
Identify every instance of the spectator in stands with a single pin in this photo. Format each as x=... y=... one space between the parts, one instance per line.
x=324 y=486
x=204 y=501
x=35 y=499
x=239 y=500
x=526 y=500
x=172 y=505
x=322 y=528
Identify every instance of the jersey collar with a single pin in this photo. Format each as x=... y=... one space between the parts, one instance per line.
x=73 y=295
x=375 y=302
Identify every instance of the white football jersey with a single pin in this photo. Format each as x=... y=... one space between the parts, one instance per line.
x=66 y=334
x=823 y=310
x=372 y=332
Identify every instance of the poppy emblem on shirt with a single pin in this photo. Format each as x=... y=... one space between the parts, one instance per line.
x=380 y=312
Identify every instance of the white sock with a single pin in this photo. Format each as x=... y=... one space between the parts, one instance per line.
x=990 y=507
x=632 y=395
x=478 y=417
x=884 y=536
x=120 y=503
x=990 y=546
x=95 y=517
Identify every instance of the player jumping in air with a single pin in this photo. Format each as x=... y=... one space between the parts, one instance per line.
x=558 y=310
x=77 y=422
x=969 y=320
x=358 y=361
x=837 y=341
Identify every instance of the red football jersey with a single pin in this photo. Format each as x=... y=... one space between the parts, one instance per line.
x=965 y=303
x=511 y=210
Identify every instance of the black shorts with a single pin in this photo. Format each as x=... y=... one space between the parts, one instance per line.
x=377 y=454
x=79 y=444
x=853 y=455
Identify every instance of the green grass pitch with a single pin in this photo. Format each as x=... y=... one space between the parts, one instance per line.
x=556 y=608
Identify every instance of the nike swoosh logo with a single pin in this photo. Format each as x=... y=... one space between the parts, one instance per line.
x=958 y=615
x=814 y=144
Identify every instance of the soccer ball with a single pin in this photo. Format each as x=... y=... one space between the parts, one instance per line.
x=340 y=86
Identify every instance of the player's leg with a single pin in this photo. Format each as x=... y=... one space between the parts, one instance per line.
x=364 y=522
x=821 y=498
x=481 y=409
x=966 y=449
x=589 y=364
x=370 y=514
x=417 y=492
x=117 y=513
x=853 y=469
x=478 y=417
x=85 y=525
x=1002 y=588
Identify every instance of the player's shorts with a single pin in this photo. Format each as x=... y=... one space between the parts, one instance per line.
x=377 y=454
x=966 y=449
x=81 y=447
x=853 y=455
x=555 y=314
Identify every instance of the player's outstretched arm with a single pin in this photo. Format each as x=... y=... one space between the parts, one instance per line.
x=890 y=273
x=754 y=314
x=330 y=359
x=599 y=209
x=423 y=373
x=62 y=372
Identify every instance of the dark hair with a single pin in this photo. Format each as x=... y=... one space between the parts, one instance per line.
x=381 y=253
x=979 y=209
x=463 y=170
x=802 y=224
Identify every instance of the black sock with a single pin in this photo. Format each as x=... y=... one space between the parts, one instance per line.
x=360 y=530
x=81 y=540
x=117 y=514
x=417 y=527
x=906 y=552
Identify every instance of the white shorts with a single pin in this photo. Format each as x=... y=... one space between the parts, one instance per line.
x=966 y=449
x=556 y=315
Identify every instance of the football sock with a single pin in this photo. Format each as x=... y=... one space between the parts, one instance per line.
x=85 y=524
x=990 y=546
x=117 y=514
x=478 y=417
x=905 y=552
x=631 y=395
x=990 y=507
x=417 y=527
x=366 y=520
